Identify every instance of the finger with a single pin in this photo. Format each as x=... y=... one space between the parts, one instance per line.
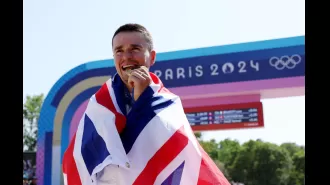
x=145 y=75
x=140 y=72
x=130 y=72
x=143 y=71
x=135 y=78
x=144 y=68
x=138 y=75
x=132 y=80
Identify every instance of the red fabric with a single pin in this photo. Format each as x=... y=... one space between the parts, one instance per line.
x=209 y=173
x=69 y=165
x=164 y=156
x=103 y=97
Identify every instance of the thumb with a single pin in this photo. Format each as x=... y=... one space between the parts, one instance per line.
x=131 y=81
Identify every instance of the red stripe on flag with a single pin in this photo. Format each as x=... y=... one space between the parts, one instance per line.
x=209 y=173
x=69 y=165
x=103 y=97
x=164 y=156
x=156 y=80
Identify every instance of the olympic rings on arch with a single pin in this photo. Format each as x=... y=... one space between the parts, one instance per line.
x=285 y=62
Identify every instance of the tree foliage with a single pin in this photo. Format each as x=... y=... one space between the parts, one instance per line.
x=258 y=162
x=31 y=111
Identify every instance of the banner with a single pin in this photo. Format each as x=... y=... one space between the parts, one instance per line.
x=232 y=116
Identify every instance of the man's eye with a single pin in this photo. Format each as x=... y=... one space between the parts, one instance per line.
x=119 y=51
x=136 y=49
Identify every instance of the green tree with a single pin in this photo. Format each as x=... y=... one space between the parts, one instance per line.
x=292 y=148
x=31 y=111
x=198 y=135
x=260 y=163
x=228 y=150
x=257 y=162
x=211 y=147
x=299 y=161
x=297 y=153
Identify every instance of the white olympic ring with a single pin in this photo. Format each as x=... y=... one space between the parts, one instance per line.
x=285 y=62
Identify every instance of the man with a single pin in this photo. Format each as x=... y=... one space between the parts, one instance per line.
x=133 y=48
x=134 y=131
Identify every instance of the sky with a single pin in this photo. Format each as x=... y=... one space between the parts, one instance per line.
x=60 y=35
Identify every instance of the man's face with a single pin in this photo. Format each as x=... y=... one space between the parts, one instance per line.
x=130 y=50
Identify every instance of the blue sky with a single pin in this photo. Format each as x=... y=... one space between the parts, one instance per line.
x=59 y=35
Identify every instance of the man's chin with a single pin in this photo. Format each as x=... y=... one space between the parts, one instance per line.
x=124 y=78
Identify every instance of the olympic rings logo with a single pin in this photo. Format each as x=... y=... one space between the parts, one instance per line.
x=285 y=62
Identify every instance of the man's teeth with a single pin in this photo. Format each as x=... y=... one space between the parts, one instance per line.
x=128 y=67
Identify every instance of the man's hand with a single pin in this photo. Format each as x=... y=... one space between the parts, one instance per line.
x=139 y=79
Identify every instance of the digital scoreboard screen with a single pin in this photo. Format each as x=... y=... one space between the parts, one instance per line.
x=231 y=116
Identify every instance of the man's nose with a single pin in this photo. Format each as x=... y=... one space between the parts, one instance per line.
x=127 y=55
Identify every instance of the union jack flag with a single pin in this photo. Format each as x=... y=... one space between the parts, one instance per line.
x=152 y=144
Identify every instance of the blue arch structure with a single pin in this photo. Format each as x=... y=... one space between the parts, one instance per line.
x=80 y=83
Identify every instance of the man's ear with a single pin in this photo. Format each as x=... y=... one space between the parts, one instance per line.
x=152 y=57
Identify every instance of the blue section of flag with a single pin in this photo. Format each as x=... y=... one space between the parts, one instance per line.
x=93 y=148
x=175 y=177
x=121 y=93
x=143 y=110
x=72 y=108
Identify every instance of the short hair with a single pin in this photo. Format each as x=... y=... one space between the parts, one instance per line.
x=132 y=27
